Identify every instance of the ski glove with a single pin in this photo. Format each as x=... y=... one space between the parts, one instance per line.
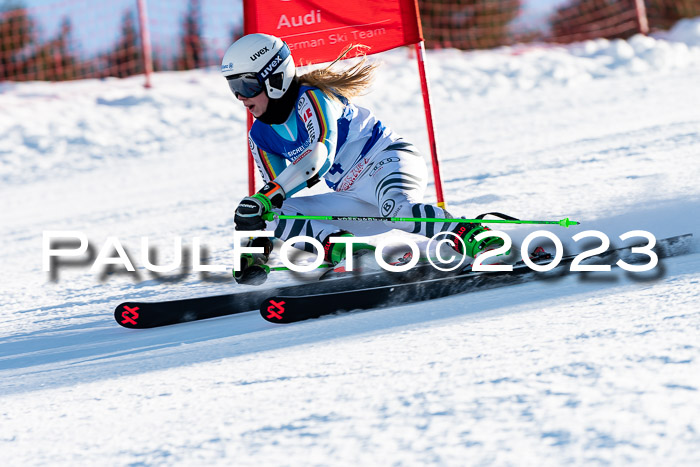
x=254 y=269
x=250 y=211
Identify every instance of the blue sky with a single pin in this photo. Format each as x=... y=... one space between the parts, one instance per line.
x=535 y=12
x=96 y=24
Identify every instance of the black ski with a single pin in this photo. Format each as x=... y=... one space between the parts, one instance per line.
x=292 y=308
x=140 y=315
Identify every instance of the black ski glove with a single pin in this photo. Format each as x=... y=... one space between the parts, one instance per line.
x=254 y=269
x=251 y=209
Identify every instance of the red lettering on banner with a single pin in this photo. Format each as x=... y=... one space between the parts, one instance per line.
x=317 y=30
x=313 y=17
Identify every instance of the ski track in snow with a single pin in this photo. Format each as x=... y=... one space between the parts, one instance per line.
x=601 y=369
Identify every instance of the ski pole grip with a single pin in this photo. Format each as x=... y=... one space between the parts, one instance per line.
x=268 y=216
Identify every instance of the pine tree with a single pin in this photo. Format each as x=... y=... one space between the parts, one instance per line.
x=125 y=58
x=54 y=60
x=192 y=45
x=17 y=33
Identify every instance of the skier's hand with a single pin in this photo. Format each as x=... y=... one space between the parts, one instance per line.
x=252 y=272
x=250 y=211
x=254 y=269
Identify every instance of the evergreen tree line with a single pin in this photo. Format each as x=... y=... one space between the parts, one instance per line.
x=446 y=23
x=478 y=24
x=24 y=56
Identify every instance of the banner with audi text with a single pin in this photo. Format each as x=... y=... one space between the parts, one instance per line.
x=318 y=30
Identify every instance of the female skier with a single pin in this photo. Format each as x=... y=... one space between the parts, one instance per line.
x=307 y=129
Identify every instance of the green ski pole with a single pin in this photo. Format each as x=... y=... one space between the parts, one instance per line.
x=563 y=222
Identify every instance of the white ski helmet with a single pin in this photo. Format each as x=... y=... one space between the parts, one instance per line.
x=258 y=62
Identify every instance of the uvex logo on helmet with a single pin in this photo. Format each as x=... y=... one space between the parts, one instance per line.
x=270 y=67
x=259 y=53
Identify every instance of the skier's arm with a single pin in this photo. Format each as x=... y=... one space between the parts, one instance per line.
x=305 y=170
x=302 y=173
x=270 y=165
x=251 y=208
x=320 y=117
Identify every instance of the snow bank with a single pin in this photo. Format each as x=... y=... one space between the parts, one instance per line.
x=526 y=67
x=686 y=31
x=52 y=129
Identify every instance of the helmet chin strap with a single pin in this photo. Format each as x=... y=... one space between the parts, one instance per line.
x=278 y=110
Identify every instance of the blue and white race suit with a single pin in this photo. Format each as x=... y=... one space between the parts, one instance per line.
x=371 y=170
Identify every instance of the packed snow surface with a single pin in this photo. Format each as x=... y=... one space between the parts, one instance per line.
x=601 y=369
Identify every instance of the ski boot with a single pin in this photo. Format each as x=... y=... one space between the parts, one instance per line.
x=335 y=255
x=254 y=269
x=470 y=247
x=335 y=252
x=362 y=257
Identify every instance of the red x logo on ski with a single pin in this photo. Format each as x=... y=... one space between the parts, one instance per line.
x=275 y=309
x=130 y=315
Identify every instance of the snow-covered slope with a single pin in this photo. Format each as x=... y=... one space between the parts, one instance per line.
x=603 y=369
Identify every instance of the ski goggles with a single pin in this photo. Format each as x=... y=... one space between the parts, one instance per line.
x=252 y=84
x=246 y=85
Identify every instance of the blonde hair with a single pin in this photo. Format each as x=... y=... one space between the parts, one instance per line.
x=347 y=83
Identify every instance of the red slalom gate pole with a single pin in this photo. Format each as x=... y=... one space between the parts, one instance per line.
x=642 y=21
x=251 y=162
x=145 y=41
x=420 y=52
